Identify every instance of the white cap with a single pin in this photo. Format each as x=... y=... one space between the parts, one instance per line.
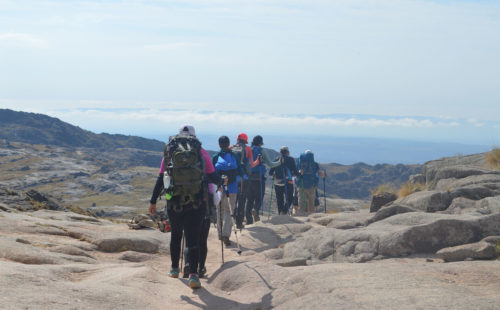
x=308 y=152
x=187 y=129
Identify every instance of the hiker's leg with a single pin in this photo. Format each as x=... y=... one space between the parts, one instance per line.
x=192 y=230
x=240 y=208
x=289 y=197
x=251 y=194
x=175 y=236
x=262 y=193
x=279 y=198
x=302 y=200
x=226 y=227
x=310 y=196
x=205 y=228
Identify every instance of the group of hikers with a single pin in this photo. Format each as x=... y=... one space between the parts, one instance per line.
x=227 y=189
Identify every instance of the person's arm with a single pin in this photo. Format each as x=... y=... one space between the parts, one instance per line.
x=250 y=157
x=268 y=161
x=157 y=189
x=291 y=165
x=272 y=171
x=321 y=173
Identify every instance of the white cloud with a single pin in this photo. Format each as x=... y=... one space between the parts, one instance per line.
x=263 y=121
x=23 y=40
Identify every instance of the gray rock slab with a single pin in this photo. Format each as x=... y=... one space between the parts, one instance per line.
x=478 y=250
x=427 y=201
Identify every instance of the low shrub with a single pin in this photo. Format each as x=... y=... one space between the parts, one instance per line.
x=383 y=188
x=410 y=188
x=493 y=158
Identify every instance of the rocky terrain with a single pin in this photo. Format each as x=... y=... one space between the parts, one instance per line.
x=436 y=248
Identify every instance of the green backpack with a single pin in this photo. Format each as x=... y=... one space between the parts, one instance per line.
x=184 y=165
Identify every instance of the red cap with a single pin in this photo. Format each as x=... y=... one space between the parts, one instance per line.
x=243 y=137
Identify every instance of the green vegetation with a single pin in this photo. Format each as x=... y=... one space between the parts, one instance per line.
x=493 y=158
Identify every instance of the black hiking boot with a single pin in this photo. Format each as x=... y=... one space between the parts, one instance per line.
x=202 y=272
x=185 y=271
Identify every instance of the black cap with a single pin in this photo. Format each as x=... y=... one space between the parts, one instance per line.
x=224 y=141
x=257 y=140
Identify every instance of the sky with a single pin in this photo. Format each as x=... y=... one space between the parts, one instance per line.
x=396 y=69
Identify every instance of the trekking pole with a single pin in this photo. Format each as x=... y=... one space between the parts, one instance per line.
x=270 y=200
x=285 y=177
x=261 y=197
x=324 y=190
x=233 y=221
x=219 y=229
x=182 y=250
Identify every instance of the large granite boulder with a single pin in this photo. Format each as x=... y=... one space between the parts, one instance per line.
x=379 y=200
x=427 y=201
x=478 y=250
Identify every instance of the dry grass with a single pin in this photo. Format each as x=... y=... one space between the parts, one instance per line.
x=493 y=158
x=384 y=188
x=409 y=188
x=332 y=211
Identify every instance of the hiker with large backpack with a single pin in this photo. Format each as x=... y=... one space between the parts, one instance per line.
x=185 y=173
x=229 y=172
x=257 y=180
x=307 y=181
x=283 y=180
x=244 y=153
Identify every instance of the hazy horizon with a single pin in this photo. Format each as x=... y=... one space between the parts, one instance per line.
x=405 y=70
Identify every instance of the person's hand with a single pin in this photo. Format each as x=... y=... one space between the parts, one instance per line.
x=152 y=209
x=301 y=172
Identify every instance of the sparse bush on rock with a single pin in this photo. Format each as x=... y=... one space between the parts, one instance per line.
x=493 y=158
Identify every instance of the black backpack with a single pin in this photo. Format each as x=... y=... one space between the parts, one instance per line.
x=185 y=166
x=239 y=151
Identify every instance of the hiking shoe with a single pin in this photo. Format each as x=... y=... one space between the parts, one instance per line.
x=194 y=281
x=174 y=273
x=185 y=271
x=202 y=272
x=226 y=240
x=256 y=217
x=240 y=226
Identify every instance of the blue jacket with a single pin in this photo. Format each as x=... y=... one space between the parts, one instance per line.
x=226 y=163
x=260 y=168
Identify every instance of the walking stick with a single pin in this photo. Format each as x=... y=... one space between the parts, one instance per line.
x=324 y=190
x=233 y=221
x=270 y=200
x=182 y=250
x=220 y=230
x=261 y=198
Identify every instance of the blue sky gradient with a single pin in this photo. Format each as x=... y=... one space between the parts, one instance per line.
x=399 y=69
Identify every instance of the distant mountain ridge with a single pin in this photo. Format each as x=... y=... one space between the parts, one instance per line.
x=33 y=128
x=345 y=181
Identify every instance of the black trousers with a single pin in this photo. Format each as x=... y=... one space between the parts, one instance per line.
x=189 y=221
x=205 y=229
x=241 y=201
x=284 y=197
x=255 y=196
